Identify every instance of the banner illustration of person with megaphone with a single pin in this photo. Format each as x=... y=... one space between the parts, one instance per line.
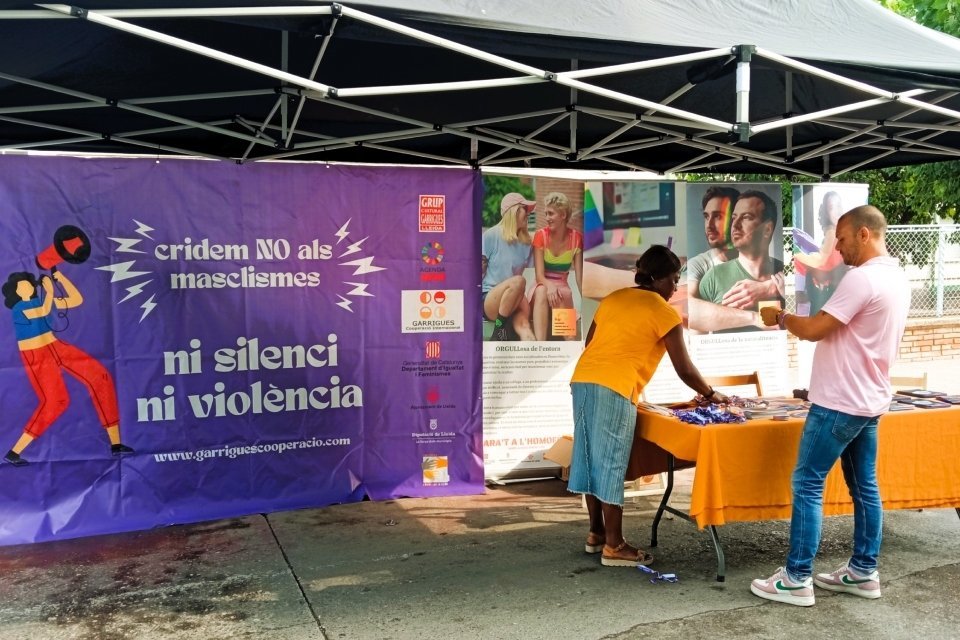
x=44 y=356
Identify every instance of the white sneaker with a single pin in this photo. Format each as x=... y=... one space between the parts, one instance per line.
x=846 y=581
x=780 y=588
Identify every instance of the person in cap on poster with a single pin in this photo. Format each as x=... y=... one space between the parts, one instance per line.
x=858 y=333
x=45 y=358
x=557 y=248
x=506 y=252
x=631 y=331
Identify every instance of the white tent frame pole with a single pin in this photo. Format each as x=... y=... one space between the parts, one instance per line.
x=743 y=91
x=906 y=143
x=630 y=165
x=121 y=104
x=712 y=123
x=148 y=132
x=856 y=166
x=527 y=138
x=444 y=129
x=202 y=96
x=436 y=87
x=320 y=145
x=643 y=65
x=574 y=65
x=827 y=75
x=680 y=166
x=623 y=116
x=193 y=123
x=258 y=130
x=221 y=12
x=284 y=66
x=540 y=77
x=423 y=36
x=511 y=159
x=720 y=147
x=905 y=97
x=843 y=140
x=92 y=136
x=728 y=160
x=49 y=143
x=417 y=154
x=51 y=127
x=561 y=78
x=788 y=108
x=586 y=153
x=659 y=142
x=62 y=106
x=916 y=126
x=54 y=88
x=506 y=118
x=313 y=74
x=530 y=136
x=163 y=147
x=824 y=113
x=951 y=113
x=337 y=144
x=179 y=43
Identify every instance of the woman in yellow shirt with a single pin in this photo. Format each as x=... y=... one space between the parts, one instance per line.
x=631 y=331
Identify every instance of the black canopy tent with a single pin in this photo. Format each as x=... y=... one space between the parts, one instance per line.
x=815 y=87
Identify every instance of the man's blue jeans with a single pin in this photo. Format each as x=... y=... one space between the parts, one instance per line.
x=828 y=435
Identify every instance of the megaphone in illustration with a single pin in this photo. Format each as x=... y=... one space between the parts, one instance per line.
x=70 y=244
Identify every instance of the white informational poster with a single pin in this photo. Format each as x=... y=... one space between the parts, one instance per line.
x=526 y=404
x=728 y=236
x=532 y=258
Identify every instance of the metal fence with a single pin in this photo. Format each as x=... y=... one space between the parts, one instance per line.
x=931 y=256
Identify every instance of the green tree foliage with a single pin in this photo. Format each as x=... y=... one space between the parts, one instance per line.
x=931 y=189
x=906 y=195
x=495 y=187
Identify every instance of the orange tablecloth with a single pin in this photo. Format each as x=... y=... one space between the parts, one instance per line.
x=743 y=470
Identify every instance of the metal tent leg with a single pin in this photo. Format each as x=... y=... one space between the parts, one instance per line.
x=721 y=563
x=665 y=507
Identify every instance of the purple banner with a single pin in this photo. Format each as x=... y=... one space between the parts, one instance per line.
x=193 y=340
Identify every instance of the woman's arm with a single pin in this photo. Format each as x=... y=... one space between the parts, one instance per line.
x=72 y=297
x=820 y=258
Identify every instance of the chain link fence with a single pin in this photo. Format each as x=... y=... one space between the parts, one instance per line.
x=931 y=256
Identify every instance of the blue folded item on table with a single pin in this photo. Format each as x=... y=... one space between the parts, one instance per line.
x=708 y=414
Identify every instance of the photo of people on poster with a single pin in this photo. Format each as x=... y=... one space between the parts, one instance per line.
x=817 y=263
x=735 y=264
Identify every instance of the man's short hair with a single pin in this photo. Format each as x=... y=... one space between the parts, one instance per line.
x=718 y=191
x=867 y=216
x=771 y=212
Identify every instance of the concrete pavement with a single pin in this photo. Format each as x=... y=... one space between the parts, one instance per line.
x=508 y=564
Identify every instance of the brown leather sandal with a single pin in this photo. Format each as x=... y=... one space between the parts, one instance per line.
x=594 y=543
x=615 y=556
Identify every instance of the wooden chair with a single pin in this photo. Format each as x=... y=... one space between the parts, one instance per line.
x=909 y=382
x=740 y=380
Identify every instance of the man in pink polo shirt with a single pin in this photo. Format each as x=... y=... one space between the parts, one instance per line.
x=858 y=332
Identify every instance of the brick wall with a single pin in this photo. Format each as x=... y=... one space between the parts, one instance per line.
x=930 y=338
x=924 y=339
x=573 y=189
